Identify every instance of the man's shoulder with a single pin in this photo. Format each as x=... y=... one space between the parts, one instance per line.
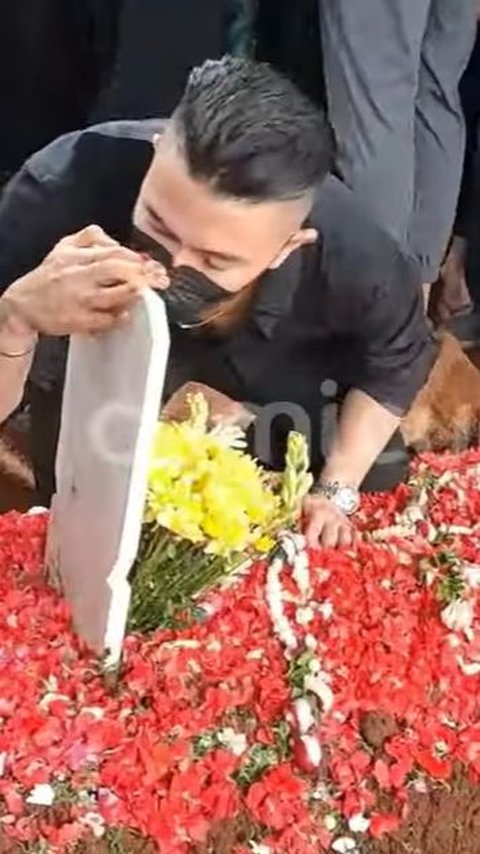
x=96 y=144
x=355 y=247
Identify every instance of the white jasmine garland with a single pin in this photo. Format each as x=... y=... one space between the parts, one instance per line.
x=303 y=713
x=319 y=685
x=281 y=625
x=313 y=749
x=301 y=573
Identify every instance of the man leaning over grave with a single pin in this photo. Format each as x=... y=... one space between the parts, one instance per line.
x=276 y=279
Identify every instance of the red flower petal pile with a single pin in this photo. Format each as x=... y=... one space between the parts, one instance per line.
x=170 y=751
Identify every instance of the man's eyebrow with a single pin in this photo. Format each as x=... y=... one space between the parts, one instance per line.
x=221 y=256
x=157 y=219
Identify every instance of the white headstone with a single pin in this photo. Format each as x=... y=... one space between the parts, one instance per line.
x=111 y=406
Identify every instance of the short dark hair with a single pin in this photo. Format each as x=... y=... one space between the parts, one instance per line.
x=251 y=133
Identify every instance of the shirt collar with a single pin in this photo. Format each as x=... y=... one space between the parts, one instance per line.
x=276 y=292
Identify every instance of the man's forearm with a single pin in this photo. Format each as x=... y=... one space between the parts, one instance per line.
x=17 y=344
x=364 y=429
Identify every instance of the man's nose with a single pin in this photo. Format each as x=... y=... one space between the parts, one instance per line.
x=183 y=257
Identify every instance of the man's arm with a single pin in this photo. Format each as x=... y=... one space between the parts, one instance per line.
x=87 y=284
x=397 y=356
x=364 y=429
x=17 y=345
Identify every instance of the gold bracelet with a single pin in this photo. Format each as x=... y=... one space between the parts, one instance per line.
x=17 y=355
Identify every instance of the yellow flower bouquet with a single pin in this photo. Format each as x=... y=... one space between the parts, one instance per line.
x=210 y=509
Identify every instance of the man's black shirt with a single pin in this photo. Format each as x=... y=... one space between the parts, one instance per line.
x=348 y=308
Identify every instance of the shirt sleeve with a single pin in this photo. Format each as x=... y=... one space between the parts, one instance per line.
x=397 y=346
x=37 y=208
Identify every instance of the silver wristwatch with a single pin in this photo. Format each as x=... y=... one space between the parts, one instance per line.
x=345 y=497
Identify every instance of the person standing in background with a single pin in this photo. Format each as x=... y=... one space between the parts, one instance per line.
x=158 y=44
x=65 y=64
x=55 y=55
x=392 y=74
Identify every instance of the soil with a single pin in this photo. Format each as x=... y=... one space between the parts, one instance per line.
x=445 y=820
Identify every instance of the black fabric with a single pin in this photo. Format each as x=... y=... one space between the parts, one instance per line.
x=348 y=307
x=54 y=58
x=288 y=37
x=159 y=42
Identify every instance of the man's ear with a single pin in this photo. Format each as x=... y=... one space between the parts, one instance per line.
x=304 y=237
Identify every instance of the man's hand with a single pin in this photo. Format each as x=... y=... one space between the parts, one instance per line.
x=88 y=283
x=222 y=409
x=326 y=525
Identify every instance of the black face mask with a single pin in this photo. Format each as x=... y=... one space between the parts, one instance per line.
x=190 y=295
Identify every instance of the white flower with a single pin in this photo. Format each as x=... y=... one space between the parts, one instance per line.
x=359 y=823
x=413 y=514
x=37 y=511
x=52 y=698
x=229 y=435
x=182 y=644
x=319 y=686
x=259 y=848
x=311 y=642
x=95 y=822
x=321 y=792
x=254 y=655
x=3 y=763
x=330 y=822
x=214 y=646
x=420 y=786
x=42 y=795
x=304 y=616
x=471 y=574
x=326 y=610
x=469 y=668
x=95 y=711
x=344 y=845
x=236 y=742
x=458 y=616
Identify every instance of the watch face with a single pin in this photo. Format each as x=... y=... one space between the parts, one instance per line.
x=347 y=500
